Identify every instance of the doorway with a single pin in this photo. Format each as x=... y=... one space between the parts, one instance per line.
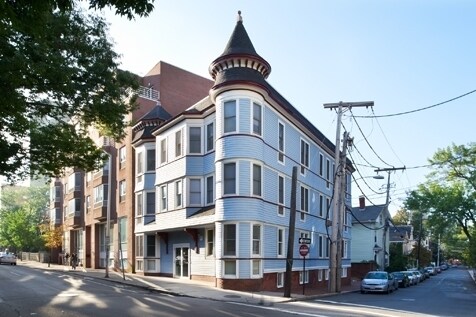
x=181 y=259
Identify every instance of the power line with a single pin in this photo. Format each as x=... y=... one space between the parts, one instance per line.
x=420 y=109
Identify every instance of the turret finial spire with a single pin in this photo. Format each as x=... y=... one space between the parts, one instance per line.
x=239 y=18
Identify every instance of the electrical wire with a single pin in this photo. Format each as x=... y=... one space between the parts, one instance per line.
x=420 y=109
x=367 y=141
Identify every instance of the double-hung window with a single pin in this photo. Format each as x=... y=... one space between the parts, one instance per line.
x=304 y=202
x=163 y=197
x=304 y=156
x=280 y=195
x=195 y=191
x=210 y=137
x=328 y=173
x=149 y=207
x=256 y=250
x=229 y=177
x=150 y=166
x=280 y=142
x=210 y=190
x=210 y=242
x=321 y=206
x=257 y=118
x=229 y=249
x=122 y=157
x=195 y=140
x=256 y=180
x=280 y=242
x=178 y=143
x=178 y=193
x=163 y=151
x=229 y=124
x=122 y=190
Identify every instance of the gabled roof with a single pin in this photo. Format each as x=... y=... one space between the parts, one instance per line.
x=400 y=232
x=368 y=214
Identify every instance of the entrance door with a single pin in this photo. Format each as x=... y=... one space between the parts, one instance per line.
x=181 y=261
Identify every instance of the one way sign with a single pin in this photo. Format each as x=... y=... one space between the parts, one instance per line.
x=304 y=241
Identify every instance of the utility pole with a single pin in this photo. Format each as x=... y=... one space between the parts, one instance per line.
x=292 y=225
x=387 y=202
x=342 y=211
x=334 y=255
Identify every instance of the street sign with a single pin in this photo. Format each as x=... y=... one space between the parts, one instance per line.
x=304 y=240
x=303 y=249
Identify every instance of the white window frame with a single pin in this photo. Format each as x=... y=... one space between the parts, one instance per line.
x=150 y=157
x=256 y=240
x=281 y=142
x=122 y=190
x=281 y=195
x=230 y=258
x=280 y=242
x=328 y=173
x=210 y=138
x=178 y=193
x=192 y=195
x=304 y=155
x=304 y=202
x=210 y=250
x=258 y=129
x=306 y=277
x=122 y=157
x=163 y=197
x=178 y=143
x=209 y=200
x=280 y=280
x=256 y=189
x=235 y=179
x=190 y=140
x=163 y=151
x=226 y=128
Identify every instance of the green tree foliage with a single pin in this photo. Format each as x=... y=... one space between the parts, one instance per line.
x=59 y=77
x=401 y=217
x=23 y=211
x=398 y=261
x=448 y=197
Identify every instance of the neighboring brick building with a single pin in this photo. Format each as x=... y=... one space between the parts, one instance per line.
x=82 y=199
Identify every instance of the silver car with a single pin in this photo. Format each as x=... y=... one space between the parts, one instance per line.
x=8 y=258
x=378 y=281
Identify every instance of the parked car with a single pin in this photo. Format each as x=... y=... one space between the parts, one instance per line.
x=413 y=278
x=402 y=279
x=378 y=281
x=418 y=274
x=8 y=258
x=431 y=270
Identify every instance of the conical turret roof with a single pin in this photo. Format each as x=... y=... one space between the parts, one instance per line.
x=239 y=56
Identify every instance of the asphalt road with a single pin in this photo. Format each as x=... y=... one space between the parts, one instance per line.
x=451 y=293
x=31 y=292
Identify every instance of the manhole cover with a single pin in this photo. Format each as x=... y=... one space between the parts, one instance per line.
x=232 y=296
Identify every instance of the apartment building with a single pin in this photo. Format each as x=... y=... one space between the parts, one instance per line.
x=85 y=202
x=217 y=204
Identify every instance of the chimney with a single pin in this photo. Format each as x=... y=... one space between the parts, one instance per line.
x=362 y=202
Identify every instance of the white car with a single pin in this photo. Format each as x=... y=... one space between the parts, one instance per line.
x=8 y=258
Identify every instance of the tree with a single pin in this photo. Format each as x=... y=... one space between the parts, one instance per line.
x=59 y=77
x=401 y=217
x=23 y=211
x=52 y=237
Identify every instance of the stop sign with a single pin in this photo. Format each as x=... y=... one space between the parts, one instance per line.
x=303 y=249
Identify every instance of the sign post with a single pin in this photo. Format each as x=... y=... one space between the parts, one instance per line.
x=303 y=251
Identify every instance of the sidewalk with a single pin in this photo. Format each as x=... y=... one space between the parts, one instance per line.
x=185 y=287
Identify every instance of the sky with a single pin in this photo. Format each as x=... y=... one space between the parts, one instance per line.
x=405 y=56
